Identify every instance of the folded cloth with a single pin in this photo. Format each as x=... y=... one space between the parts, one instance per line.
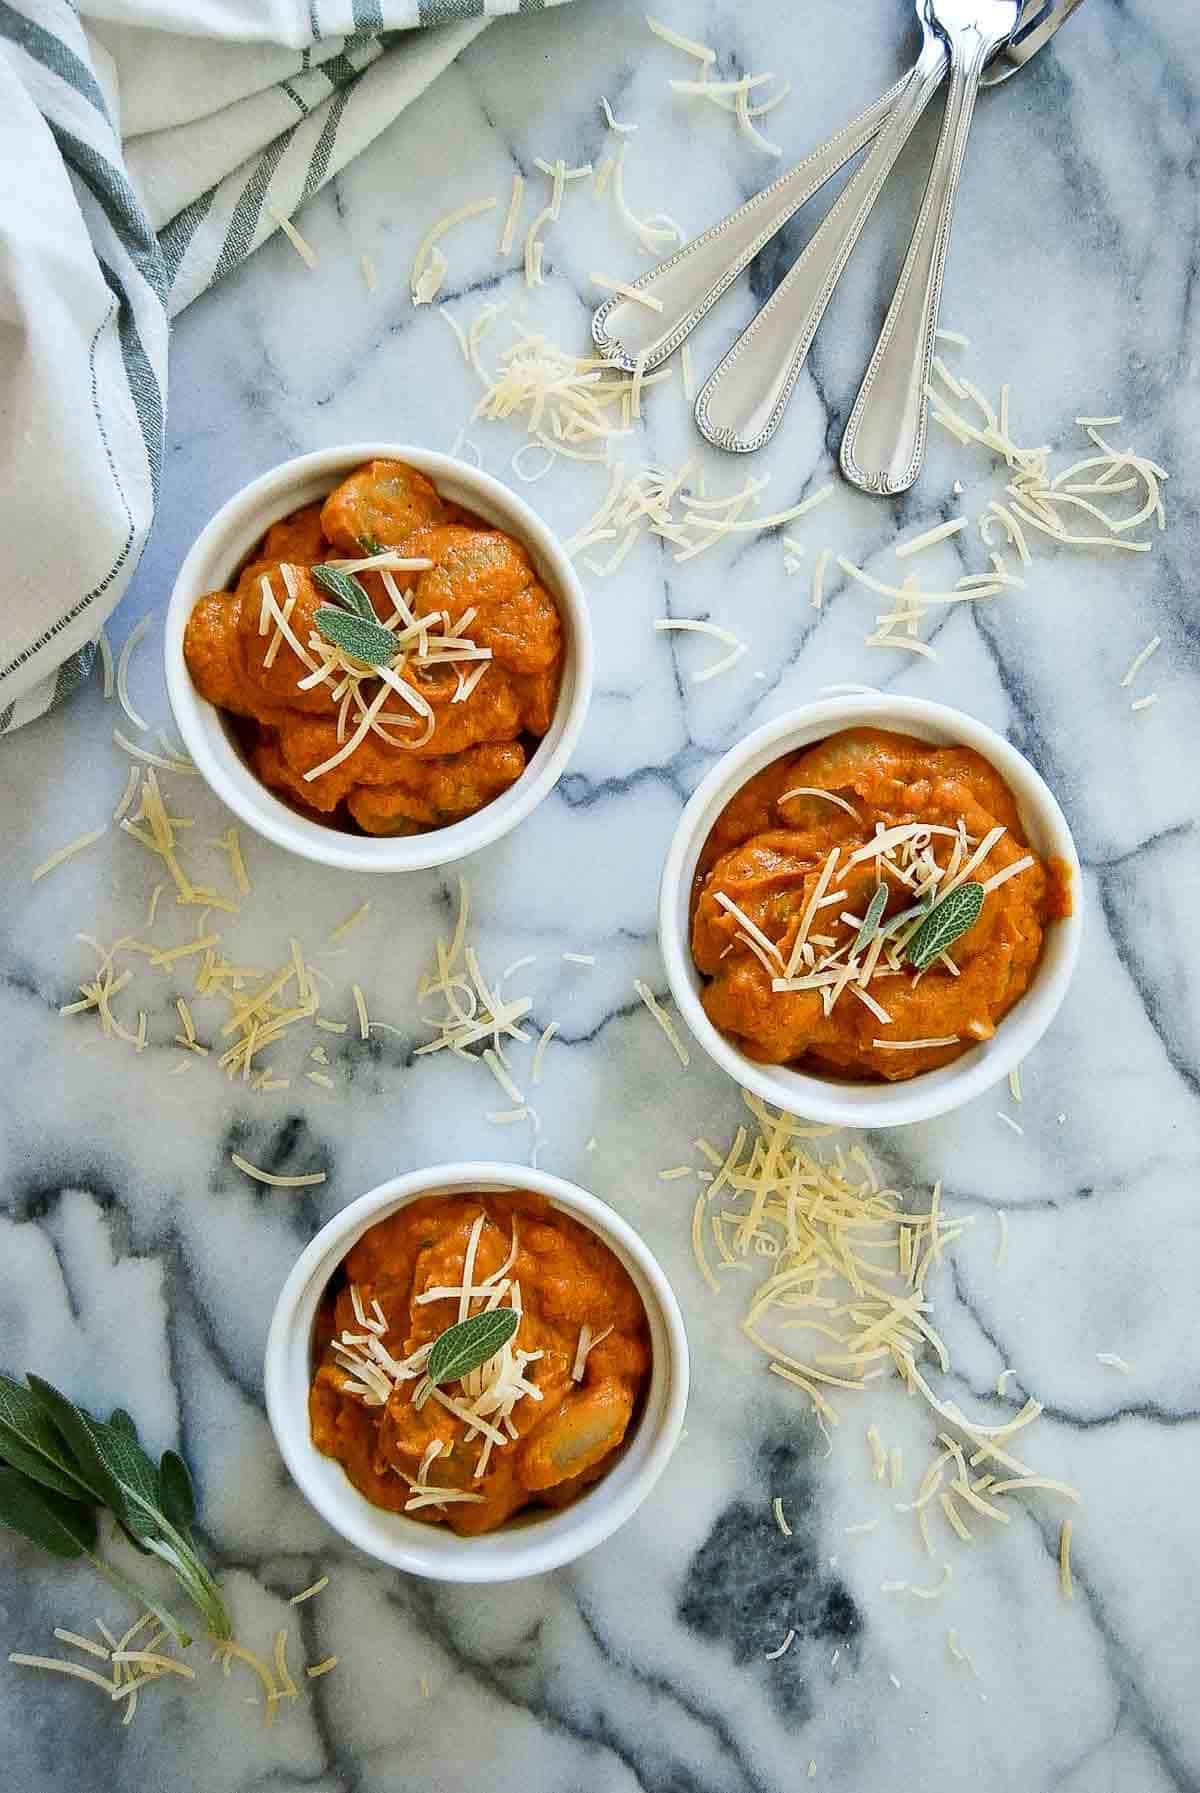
x=146 y=148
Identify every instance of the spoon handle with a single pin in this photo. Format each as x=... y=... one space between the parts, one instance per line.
x=884 y=444
x=689 y=283
x=744 y=398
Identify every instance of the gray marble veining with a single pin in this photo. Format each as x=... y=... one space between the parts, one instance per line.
x=136 y=1264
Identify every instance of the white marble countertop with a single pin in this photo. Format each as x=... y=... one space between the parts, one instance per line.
x=135 y=1264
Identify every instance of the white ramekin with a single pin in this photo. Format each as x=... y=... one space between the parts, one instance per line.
x=547 y=1538
x=930 y=1093
x=223 y=546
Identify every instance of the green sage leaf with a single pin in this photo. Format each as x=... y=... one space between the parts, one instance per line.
x=464 y=1347
x=368 y=641
x=871 y=920
x=371 y=544
x=112 y=1461
x=32 y=1444
x=176 y=1495
x=346 y=589
x=946 y=922
x=63 y=1527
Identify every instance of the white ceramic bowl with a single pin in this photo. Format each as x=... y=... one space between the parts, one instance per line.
x=223 y=546
x=529 y=1545
x=930 y=1093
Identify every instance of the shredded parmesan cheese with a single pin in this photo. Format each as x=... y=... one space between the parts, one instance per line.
x=737 y=648
x=664 y=1021
x=1065 y=1581
x=508 y=234
x=68 y=852
x=304 y=249
x=307 y=1593
x=927 y=540
x=1140 y=659
x=626 y=291
x=421 y=264
x=277 y=1182
x=135 y=636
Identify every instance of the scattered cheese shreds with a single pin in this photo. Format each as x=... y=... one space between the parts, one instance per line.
x=702 y=53
x=303 y=248
x=421 y=264
x=351 y=921
x=307 y=1593
x=509 y=232
x=59 y=1665
x=612 y=123
x=1065 y=1579
x=820 y=1225
x=939 y=534
x=277 y=1182
x=664 y=1021
x=737 y=648
x=781 y=1522
x=626 y=291
x=1112 y=1361
x=68 y=852
x=136 y=634
x=1140 y=659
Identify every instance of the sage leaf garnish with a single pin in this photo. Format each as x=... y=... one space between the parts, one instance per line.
x=946 y=922
x=346 y=589
x=368 y=641
x=462 y=1348
x=371 y=544
x=871 y=920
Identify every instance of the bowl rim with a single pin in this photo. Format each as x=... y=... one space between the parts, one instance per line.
x=210 y=562
x=931 y=1093
x=509 y=1553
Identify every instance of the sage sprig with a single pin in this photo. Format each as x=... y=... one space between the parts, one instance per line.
x=871 y=920
x=62 y=1465
x=368 y=641
x=348 y=591
x=946 y=922
x=463 y=1347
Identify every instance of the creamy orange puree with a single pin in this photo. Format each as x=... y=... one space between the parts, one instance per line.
x=568 y=1278
x=766 y=853
x=478 y=747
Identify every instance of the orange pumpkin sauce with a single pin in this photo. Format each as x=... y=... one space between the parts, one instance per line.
x=479 y=746
x=568 y=1279
x=766 y=852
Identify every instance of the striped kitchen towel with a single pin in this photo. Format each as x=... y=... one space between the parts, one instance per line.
x=146 y=148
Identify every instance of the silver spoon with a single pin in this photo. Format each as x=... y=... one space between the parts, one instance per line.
x=884 y=444
x=688 y=283
x=744 y=398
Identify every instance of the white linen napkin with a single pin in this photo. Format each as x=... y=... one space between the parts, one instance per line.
x=146 y=148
